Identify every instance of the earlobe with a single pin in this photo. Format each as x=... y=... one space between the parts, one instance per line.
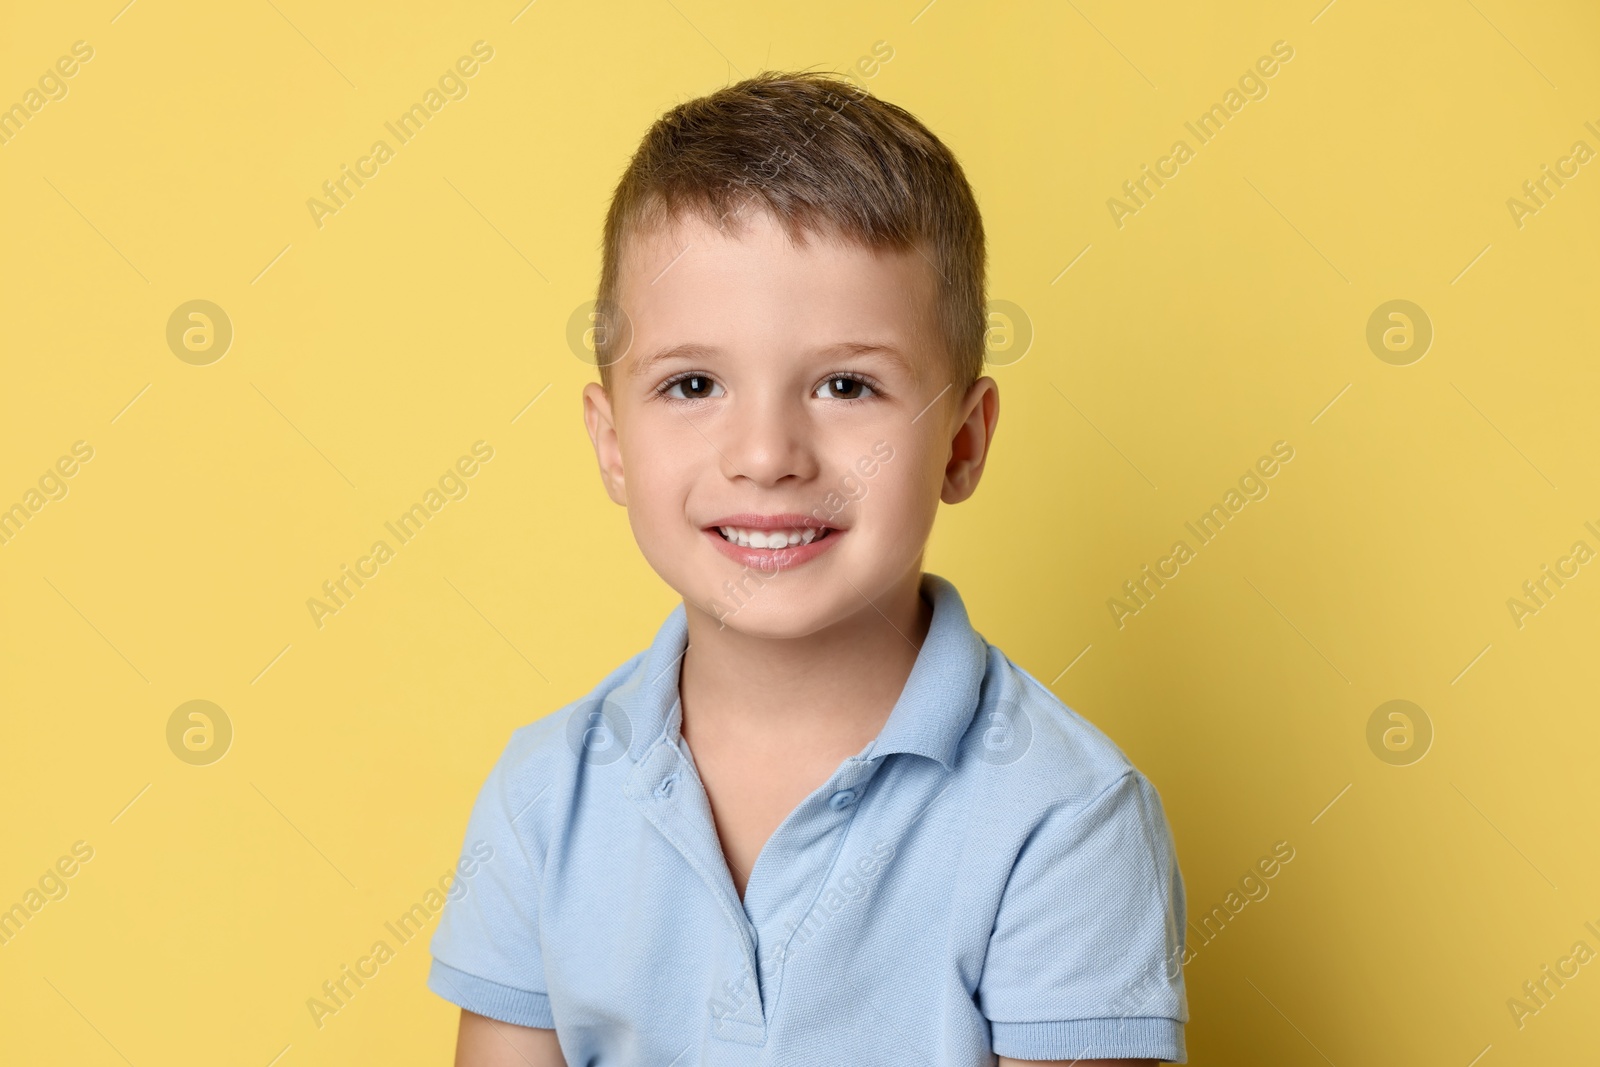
x=597 y=418
x=969 y=448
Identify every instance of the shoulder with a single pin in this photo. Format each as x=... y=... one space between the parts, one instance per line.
x=1046 y=756
x=1065 y=804
x=542 y=764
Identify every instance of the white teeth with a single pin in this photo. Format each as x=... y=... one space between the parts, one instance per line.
x=769 y=538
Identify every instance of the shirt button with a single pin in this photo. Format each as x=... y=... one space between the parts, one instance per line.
x=665 y=788
x=842 y=799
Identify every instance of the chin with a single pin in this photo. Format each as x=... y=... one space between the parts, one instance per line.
x=788 y=606
x=776 y=621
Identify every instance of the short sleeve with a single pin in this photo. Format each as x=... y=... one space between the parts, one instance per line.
x=1085 y=960
x=486 y=955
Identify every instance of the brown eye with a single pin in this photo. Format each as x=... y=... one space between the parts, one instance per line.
x=692 y=387
x=843 y=388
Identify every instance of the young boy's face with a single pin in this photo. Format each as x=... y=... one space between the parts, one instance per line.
x=774 y=385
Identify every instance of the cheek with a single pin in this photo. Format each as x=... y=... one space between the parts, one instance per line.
x=660 y=465
x=903 y=497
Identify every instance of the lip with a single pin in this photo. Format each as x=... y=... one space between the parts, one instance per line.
x=772 y=559
x=791 y=520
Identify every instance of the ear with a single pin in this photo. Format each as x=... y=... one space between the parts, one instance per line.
x=979 y=414
x=597 y=417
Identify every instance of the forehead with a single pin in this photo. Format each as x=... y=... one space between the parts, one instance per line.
x=754 y=288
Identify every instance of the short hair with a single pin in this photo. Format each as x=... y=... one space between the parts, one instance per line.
x=821 y=155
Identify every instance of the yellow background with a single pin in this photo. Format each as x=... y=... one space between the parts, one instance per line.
x=1229 y=313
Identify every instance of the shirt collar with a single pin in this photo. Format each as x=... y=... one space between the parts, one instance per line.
x=929 y=719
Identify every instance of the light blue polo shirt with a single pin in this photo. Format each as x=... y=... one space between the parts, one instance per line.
x=989 y=875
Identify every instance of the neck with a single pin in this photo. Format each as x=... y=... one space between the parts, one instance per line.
x=832 y=689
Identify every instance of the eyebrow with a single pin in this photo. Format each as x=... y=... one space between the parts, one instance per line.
x=694 y=351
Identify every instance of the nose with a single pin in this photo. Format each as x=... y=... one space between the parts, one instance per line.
x=766 y=439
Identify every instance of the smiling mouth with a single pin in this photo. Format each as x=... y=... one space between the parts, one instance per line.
x=773 y=539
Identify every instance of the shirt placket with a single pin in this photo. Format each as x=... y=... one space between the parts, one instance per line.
x=669 y=794
x=793 y=867
x=788 y=876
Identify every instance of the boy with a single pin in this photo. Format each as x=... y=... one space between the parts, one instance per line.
x=820 y=820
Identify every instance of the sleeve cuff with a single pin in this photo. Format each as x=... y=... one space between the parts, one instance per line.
x=502 y=1002
x=1076 y=1039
